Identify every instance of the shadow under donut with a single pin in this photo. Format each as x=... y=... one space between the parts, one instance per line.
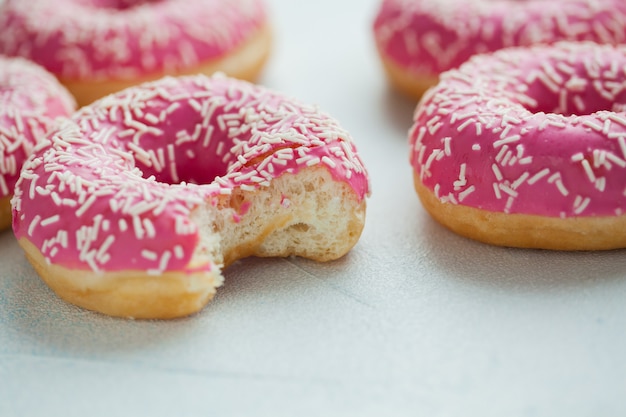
x=398 y=110
x=515 y=269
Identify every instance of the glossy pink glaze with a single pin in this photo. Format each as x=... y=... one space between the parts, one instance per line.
x=30 y=99
x=528 y=130
x=124 y=39
x=106 y=190
x=428 y=37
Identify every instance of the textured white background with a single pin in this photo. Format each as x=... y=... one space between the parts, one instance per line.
x=414 y=321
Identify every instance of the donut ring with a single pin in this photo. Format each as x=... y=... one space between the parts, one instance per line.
x=96 y=47
x=419 y=39
x=527 y=147
x=30 y=99
x=133 y=205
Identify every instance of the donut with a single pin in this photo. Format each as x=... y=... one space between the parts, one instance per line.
x=30 y=99
x=134 y=205
x=526 y=147
x=419 y=39
x=96 y=47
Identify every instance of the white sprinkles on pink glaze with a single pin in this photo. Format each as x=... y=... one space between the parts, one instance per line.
x=30 y=99
x=113 y=187
x=125 y=39
x=528 y=130
x=431 y=36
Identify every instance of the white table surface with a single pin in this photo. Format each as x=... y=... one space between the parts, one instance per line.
x=414 y=321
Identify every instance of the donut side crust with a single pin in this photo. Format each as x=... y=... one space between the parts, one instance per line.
x=523 y=230
x=130 y=294
x=5 y=212
x=246 y=63
x=409 y=83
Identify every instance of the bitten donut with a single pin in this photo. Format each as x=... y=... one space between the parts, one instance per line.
x=527 y=147
x=419 y=39
x=30 y=99
x=96 y=47
x=133 y=205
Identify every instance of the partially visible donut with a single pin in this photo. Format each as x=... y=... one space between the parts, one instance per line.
x=133 y=206
x=419 y=39
x=30 y=99
x=96 y=47
x=527 y=147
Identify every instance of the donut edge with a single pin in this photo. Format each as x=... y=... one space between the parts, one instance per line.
x=128 y=294
x=525 y=230
x=411 y=84
x=5 y=212
x=246 y=63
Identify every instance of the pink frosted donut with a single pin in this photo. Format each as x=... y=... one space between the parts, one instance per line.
x=30 y=99
x=419 y=39
x=132 y=207
x=527 y=147
x=96 y=47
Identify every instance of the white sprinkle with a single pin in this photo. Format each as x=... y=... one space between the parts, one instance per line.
x=522 y=178
x=326 y=160
x=510 y=139
x=615 y=159
x=554 y=177
x=50 y=220
x=33 y=225
x=446 y=143
x=592 y=125
x=433 y=129
x=464 y=125
x=508 y=190
x=538 y=176
x=463 y=194
x=581 y=204
x=508 y=157
x=149 y=227
x=462 y=181
x=496 y=190
x=588 y=170
x=139 y=232
x=149 y=255
x=82 y=209
x=561 y=187
x=4 y=189
x=497 y=172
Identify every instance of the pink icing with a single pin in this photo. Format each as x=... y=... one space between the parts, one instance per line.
x=30 y=99
x=428 y=37
x=122 y=39
x=112 y=188
x=528 y=130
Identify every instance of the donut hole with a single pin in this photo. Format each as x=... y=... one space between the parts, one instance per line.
x=186 y=169
x=581 y=103
x=120 y=5
x=570 y=93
